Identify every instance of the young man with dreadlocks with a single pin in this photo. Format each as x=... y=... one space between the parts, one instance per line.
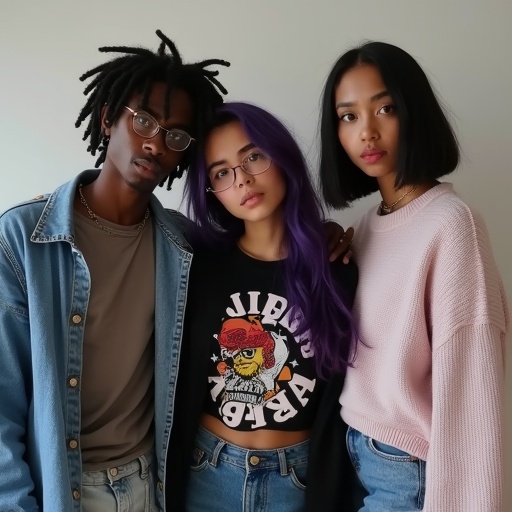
x=92 y=298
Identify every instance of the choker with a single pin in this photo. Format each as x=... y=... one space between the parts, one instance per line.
x=384 y=208
x=107 y=230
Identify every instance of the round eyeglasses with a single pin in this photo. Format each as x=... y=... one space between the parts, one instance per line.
x=147 y=126
x=223 y=178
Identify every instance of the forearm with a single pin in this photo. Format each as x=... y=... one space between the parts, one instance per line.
x=465 y=461
x=16 y=483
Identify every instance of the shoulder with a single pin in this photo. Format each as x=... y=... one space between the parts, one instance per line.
x=465 y=282
x=458 y=225
x=178 y=217
x=28 y=205
x=207 y=258
x=172 y=220
x=23 y=215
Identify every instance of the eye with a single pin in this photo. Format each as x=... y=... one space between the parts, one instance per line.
x=347 y=117
x=221 y=174
x=248 y=353
x=144 y=120
x=386 y=109
x=254 y=157
x=176 y=135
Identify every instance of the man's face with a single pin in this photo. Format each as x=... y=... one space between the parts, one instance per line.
x=142 y=162
x=248 y=362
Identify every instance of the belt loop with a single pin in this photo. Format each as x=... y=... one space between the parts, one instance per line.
x=283 y=467
x=144 y=465
x=216 y=452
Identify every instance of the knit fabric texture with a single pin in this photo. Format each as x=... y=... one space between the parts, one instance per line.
x=429 y=373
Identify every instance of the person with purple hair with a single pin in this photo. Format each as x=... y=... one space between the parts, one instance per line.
x=268 y=332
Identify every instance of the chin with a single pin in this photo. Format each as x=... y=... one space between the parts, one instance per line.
x=375 y=172
x=143 y=186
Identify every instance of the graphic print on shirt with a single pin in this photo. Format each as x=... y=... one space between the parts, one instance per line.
x=263 y=373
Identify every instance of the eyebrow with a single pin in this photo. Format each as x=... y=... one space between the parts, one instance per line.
x=246 y=148
x=375 y=97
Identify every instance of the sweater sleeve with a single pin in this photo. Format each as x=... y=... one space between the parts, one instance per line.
x=468 y=318
x=465 y=459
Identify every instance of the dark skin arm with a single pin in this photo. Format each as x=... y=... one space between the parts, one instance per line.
x=338 y=241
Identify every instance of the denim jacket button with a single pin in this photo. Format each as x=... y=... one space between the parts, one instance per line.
x=76 y=319
x=160 y=486
x=76 y=494
x=73 y=443
x=73 y=382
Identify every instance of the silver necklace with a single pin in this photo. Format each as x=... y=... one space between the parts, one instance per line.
x=93 y=216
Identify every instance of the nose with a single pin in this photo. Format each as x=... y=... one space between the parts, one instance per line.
x=241 y=177
x=369 y=131
x=156 y=145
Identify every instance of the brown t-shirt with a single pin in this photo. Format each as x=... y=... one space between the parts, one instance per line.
x=117 y=398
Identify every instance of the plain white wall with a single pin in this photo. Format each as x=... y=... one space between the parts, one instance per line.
x=281 y=51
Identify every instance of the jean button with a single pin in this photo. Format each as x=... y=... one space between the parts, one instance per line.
x=254 y=460
x=113 y=471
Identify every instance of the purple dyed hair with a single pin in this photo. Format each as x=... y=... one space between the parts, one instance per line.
x=308 y=280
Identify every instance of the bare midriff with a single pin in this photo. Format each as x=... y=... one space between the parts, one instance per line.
x=255 y=440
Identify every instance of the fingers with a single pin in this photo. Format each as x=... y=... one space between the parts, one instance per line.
x=342 y=247
x=348 y=235
x=347 y=257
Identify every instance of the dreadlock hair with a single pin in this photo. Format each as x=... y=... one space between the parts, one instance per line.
x=312 y=291
x=135 y=72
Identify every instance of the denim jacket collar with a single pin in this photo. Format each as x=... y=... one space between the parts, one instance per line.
x=56 y=221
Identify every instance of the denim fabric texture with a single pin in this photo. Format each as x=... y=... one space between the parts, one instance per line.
x=227 y=477
x=126 y=488
x=44 y=293
x=394 y=480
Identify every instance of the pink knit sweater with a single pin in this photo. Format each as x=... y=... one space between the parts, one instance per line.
x=432 y=312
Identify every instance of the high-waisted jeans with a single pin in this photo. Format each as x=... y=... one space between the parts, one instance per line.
x=126 y=488
x=394 y=479
x=226 y=477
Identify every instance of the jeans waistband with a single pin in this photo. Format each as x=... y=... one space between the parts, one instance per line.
x=111 y=474
x=252 y=460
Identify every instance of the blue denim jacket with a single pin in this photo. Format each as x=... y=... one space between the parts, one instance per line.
x=44 y=293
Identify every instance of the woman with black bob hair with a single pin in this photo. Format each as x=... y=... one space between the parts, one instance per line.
x=427 y=145
x=424 y=397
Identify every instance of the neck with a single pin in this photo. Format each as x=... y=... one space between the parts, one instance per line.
x=125 y=207
x=398 y=198
x=263 y=244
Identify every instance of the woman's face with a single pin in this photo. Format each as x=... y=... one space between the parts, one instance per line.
x=250 y=197
x=368 y=125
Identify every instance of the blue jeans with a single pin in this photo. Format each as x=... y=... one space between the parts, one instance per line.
x=126 y=488
x=394 y=480
x=227 y=477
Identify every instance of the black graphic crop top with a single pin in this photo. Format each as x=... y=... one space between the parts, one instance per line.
x=259 y=374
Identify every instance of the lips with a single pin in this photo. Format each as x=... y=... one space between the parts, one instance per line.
x=147 y=165
x=250 y=198
x=370 y=156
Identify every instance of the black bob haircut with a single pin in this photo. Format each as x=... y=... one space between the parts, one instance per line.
x=135 y=72
x=427 y=145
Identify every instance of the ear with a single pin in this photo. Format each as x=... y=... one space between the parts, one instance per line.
x=105 y=123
